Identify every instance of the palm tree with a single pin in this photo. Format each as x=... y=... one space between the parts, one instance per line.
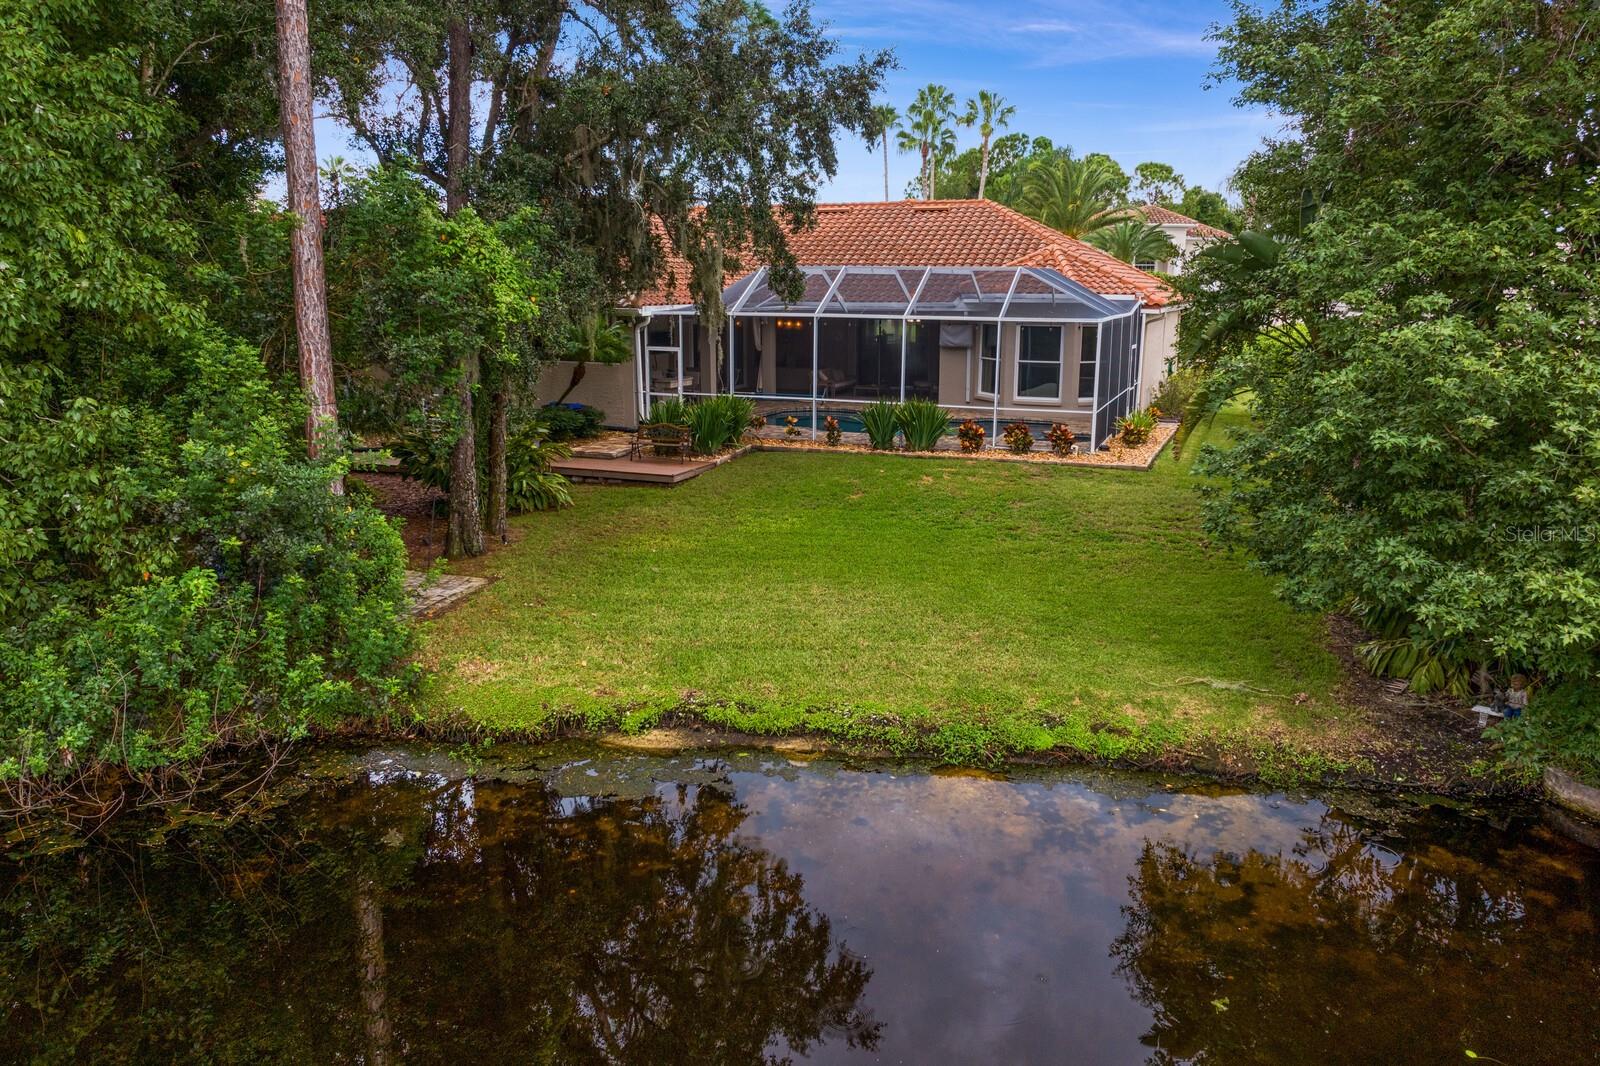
x=883 y=119
x=989 y=112
x=1133 y=241
x=1075 y=196
x=931 y=115
x=338 y=172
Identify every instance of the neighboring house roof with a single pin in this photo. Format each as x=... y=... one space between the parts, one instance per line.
x=1157 y=215
x=922 y=233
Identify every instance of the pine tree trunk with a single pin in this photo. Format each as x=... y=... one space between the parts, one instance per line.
x=465 y=536
x=498 y=479
x=310 y=292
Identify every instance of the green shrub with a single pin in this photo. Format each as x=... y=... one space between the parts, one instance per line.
x=424 y=454
x=669 y=410
x=740 y=414
x=1561 y=727
x=881 y=421
x=272 y=605
x=531 y=484
x=1135 y=427
x=577 y=422
x=1018 y=438
x=923 y=422
x=970 y=435
x=1177 y=392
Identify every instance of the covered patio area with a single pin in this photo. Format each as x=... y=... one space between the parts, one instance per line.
x=995 y=344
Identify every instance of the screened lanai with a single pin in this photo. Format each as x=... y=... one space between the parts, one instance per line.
x=992 y=343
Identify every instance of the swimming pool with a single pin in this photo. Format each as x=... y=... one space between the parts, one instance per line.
x=850 y=422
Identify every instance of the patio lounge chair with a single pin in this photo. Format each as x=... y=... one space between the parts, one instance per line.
x=661 y=438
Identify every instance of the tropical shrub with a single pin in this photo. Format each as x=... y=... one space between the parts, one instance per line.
x=177 y=575
x=1412 y=322
x=669 y=410
x=571 y=421
x=1176 y=392
x=881 y=421
x=791 y=426
x=423 y=452
x=531 y=484
x=923 y=423
x=707 y=427
x=831 y=431
x=1060 y=438
x=718 y=421
x=1135 y=427
x=1018 y=438
x=969 y=435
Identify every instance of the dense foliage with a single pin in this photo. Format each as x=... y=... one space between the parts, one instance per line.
x=176 y=572
x=1419 y=333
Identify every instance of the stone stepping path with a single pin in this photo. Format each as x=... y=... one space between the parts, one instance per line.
x=429 y=599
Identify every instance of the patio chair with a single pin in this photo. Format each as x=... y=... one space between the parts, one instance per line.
x=661 y=438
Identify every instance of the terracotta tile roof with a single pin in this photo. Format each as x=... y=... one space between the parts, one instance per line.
x=921 y=233
x=1157 y=215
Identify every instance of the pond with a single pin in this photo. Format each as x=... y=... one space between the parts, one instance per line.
x=572 y=904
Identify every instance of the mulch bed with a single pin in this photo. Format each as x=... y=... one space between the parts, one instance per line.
x=420 y=509
x=1116 y=455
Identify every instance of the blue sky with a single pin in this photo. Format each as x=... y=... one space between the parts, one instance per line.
x=1126 y=78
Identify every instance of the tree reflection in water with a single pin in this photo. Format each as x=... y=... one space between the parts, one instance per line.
x=1352 y=951
x=415 y=922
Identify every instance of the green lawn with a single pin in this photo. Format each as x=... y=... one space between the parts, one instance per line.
x=964 y=608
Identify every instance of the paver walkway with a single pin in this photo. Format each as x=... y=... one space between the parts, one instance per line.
x=429 y=599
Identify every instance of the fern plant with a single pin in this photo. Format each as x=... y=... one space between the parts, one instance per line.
x=923 y=422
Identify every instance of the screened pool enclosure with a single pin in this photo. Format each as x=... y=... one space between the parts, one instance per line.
x=996 y=344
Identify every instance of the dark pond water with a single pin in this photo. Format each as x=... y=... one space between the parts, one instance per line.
x=571 y=906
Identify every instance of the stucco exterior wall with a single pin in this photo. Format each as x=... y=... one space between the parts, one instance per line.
x=1160 y=344
x=610 y=388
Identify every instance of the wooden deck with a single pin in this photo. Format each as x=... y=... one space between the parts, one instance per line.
x=631 y=471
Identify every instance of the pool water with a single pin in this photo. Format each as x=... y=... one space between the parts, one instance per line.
x=573 y=904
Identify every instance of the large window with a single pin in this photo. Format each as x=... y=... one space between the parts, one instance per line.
x=1039 y=358
x=1086 y=361
x=988 y=361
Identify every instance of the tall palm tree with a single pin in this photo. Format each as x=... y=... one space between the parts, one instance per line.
x=883 y=119
x=1133 y=241
x=338 y=172
x=989 y=112
x=1075 y=196
x=930 y=116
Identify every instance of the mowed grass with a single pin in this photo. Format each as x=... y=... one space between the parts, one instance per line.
x=966 y=609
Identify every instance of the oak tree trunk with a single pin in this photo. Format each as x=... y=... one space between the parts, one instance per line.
x=465 y=536
x=498 y=487
x=310 y=293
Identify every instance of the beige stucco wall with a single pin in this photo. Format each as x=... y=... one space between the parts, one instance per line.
x=610 y=388
x=1160 y=343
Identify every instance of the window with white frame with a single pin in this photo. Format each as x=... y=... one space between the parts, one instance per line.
x=1039 y=359
x=988 y=361
x=1087 y=348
